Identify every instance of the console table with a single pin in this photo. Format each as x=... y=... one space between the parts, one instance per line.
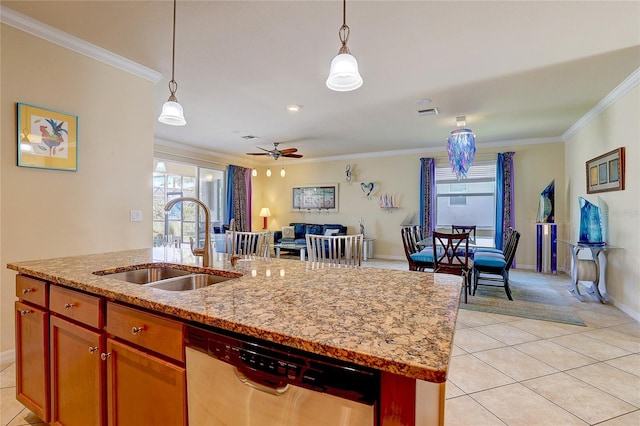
x=592 y=270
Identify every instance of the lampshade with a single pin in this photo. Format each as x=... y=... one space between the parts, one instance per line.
x=461 y=147
x=265 y=212
x=172 y=114
x=344 y=75
x=161 y=167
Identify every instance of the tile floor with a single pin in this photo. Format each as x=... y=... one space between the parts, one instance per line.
x=513 y=371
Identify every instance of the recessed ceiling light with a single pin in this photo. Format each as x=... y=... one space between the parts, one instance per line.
x=294 y=108
x=423 y=101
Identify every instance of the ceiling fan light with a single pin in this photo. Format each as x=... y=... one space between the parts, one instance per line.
x=172 y=114
x=344 y=75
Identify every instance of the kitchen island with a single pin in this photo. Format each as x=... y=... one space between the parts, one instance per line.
x=400 y=323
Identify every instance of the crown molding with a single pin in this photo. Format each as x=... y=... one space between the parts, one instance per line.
x=613 y=96
x=46 y=32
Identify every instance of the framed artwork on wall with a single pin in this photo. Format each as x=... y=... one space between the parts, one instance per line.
x=606 y=172
x=315 y=198
x=47 y=139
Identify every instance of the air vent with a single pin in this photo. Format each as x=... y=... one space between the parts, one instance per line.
x=249 y=137
x=430 y=111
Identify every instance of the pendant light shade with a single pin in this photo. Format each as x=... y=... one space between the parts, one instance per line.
x=344 y=75
x=461 y=147
x=172 y=113
x=283 y=173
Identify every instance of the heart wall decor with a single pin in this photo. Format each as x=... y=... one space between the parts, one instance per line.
x=367 y=188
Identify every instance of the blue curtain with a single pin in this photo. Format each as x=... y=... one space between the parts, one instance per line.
x=505 y=214
x=239 y=197
x=427 y=195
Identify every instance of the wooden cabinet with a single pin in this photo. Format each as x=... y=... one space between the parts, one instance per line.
x=72 y=370
x=77 y=374
x=32 y=358
x=143 y=389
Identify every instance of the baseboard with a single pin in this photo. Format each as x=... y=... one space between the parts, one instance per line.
x=8 y=356
x=388 y=257
x=624 y=308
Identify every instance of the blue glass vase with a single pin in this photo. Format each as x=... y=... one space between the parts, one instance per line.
x=590 y=224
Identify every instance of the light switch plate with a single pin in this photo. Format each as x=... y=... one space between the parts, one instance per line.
x=136 y=215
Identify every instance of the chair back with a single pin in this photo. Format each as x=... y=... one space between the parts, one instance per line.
x=465 y=229
x=451 y=253
x=248 y=243
x=411 y=235
x=335 y=249
x=510 y=249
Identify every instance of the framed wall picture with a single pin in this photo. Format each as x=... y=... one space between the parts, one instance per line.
x=47 y=139
x=315 y=198
x=606 y=172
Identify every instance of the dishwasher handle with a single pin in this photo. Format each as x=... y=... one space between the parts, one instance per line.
x=245 y=379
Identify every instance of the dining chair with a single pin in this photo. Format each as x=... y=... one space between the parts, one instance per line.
x=420 y=258
x=451 y=256
x=488 y=266
x=247 y=243
x=468 y=229
x=335 y=249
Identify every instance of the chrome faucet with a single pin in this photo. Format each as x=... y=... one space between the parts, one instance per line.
x=205 y=251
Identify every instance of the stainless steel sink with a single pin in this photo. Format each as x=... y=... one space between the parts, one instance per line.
x=148 y=275
x=189 y=282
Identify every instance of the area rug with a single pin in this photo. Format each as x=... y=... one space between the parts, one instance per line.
x=533 y=297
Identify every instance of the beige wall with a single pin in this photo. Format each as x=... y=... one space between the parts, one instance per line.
x=615 y=127
x=45 y=213
x=535 y=166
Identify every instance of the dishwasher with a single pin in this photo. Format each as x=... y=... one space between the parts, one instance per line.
x=234 y=380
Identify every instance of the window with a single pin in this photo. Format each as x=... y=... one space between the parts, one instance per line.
x=185 y=220
x=468 y=202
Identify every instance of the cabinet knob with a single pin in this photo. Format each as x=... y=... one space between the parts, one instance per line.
x=92 y=349
x=104 y=356
x=69 y=305
x=26 y=290
x=24 y=312
x=137 y=330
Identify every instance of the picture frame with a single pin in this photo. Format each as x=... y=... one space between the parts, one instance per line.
x=321 y=197
x=47 y=139
x=606 y=172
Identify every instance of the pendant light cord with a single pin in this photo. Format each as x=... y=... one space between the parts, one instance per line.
x=344 y=31
x=173 y=86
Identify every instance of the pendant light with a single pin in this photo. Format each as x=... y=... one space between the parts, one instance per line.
x=344 y=75
x=461 y=147
x=172 y=113
x=283 y=173
x=268 y=172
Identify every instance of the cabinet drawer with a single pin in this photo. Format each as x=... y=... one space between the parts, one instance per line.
x=153 y=332
x=31 y=290
x=78 y=306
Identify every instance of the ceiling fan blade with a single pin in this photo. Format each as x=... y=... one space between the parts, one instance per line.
x=258 y=153
x=292 y=155
x=288 y=150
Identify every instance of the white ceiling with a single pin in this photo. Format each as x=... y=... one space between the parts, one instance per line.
x=519 y=70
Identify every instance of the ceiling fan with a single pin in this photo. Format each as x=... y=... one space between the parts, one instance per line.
x=276 y=153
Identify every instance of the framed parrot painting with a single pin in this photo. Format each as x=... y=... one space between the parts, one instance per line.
x=47 y=139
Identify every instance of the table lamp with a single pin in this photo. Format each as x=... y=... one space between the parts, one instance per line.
x=265 y=213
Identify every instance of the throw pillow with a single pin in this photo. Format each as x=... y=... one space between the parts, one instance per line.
x=288 y=232
x=330 y=232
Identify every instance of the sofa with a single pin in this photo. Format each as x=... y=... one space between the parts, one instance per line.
x=301 y=229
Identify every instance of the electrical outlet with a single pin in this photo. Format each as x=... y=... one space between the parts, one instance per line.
x=136 y=215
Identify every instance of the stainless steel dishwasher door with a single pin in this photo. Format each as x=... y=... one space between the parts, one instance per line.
x=216 y=395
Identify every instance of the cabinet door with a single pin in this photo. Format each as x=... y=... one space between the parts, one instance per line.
x=32 y=359
x=77 y=375
x=143 y=389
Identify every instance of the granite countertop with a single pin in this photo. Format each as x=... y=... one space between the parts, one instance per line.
x=395 y=321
